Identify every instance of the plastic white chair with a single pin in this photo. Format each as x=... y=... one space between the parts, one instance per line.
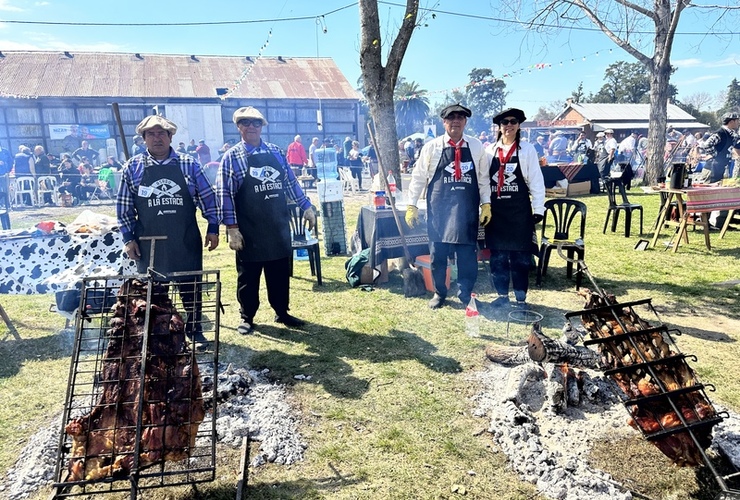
x=25 y=185
x=48 y=184
x=349 y=183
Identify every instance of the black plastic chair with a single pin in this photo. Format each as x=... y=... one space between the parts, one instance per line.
x=561 y=213
x=614 y=208
x=303 y=240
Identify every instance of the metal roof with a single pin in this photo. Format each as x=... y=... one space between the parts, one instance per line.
x=594 y=112
x=678 y=125
x=87 y=74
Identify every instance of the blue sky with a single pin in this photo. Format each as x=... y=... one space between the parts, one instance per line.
x=439 y=57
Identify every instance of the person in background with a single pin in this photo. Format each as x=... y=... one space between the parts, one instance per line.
x=579 y=147
x=540 y=146
x=84 y=151
x=719 y=147
x=113 y=164
x=341 y=161
x=72 y=140
x=312 y=157
x=157 y=196
x=69 y=180
x=254 y=186
x=296 y=156
x=88 y=181
x=346 y=148
x=191 y=148
x=222 y=151
x=454 y=170
x=23 y=165
x=6 y=165
x=139 y=146
x=610 y=150
x=408 y=148
x=43 y=169
x=558 y=145
x=181 y=149
x=203 y=152
x=355 y=163
x=517 y=204
x=627 y=147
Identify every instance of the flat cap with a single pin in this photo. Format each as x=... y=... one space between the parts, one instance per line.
x=455 y=108
x=728 y=117
x=609 y=131
x=514 y=112
x=152 y=121
x=600 y=134
x=248 y=112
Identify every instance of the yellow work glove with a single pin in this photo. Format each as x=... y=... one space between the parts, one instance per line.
x=236 y=240
x=412 y=216
x=485 y=214
x=310 y=216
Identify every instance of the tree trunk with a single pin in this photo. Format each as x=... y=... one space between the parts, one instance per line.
x=379 y=81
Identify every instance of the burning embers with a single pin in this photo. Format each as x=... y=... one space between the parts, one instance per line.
x=661 y=392
x=119 y=434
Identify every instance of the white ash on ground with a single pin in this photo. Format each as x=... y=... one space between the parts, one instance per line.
x=545 y=448
x=247 y=403
x=549 y=446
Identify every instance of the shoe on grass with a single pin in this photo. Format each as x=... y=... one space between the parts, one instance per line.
x=436 y=302
x=500 y=301
x=289 y=320
x=245 y=328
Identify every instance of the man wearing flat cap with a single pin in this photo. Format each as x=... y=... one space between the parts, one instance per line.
x=454 y=170
x=254 y=186
x=719 y=146
x=157 y=196
x=517 y=204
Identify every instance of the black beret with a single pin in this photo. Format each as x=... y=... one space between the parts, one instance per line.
x=455 y=108
x=516 y=113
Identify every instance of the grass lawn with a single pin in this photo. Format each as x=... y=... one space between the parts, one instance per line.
x=387 y=413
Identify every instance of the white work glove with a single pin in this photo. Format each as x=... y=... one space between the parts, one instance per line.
x=310 y=216
x=132 y=250
x=236 y=240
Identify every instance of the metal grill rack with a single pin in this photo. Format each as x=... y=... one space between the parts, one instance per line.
x=110 y=443
x=689 y=419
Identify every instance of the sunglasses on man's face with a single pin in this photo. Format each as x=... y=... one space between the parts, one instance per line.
x=246 y=122
x=509 y=121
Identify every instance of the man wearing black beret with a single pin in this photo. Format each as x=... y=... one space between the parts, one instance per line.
x=454 y=170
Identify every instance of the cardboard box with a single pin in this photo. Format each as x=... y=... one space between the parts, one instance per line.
x=579 y=188
x=423 y=262
x=555 y=193
x=367 y=275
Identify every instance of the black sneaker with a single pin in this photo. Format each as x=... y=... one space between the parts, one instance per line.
x=500 y=301
x=436 y=302
x=288 y=320
x=245 y=328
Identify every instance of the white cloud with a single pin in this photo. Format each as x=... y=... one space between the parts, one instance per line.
x=732 y=60
x=700 y=79
x=687 y=63
x=5 y=6
x=42 y=4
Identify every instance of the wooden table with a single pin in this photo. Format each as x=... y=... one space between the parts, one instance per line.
x=700 y=201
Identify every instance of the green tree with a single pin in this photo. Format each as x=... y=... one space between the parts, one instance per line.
x=626 y=82
x=577 y=95
x=486 y=97
x=412 y=107
x=732 y=98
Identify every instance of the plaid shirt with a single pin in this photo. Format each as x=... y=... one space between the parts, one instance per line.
x=234 y=168
x=199 y=188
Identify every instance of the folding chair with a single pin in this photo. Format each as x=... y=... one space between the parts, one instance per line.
x=103 y=185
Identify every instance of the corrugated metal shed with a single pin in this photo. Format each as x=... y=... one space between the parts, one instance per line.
x=627 y=112
x=80 y=74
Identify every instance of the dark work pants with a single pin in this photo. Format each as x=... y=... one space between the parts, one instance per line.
x=192 y=301
x=467 y=267
x=506 y=265
x=277 y=279
x=357 y=174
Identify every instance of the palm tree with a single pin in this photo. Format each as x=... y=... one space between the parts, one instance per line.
x=412 y=107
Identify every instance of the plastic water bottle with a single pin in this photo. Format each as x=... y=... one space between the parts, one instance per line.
x=392 y=184
x=472 y=318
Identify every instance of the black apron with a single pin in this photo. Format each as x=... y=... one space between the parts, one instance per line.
x=512 y=224
x=262 y=210
x=452 y=206
x=164 y=207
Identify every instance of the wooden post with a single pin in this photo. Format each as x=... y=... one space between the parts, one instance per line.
x=9 y=324
x=241 y=485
